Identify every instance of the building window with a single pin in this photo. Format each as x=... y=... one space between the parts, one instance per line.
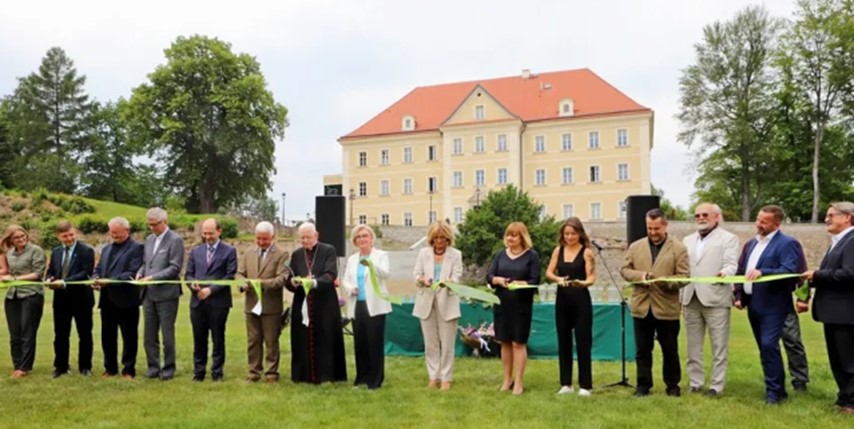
x=622 y=138
x=622 y=209
x=458 y=146
x=566 y=142
x=502 y=176
x=431 y=184
x=540 y=144
x=407 y=219
x=431 y=153
x=540 y=177
x=407 y=186
x=595 y=211
x=384 y=187
x=568 y=211
x=458 y=179
x=363 y=159
x=502 y=142
x=479 y=177
x=594 y=173
x=408 y=123
x=543 y=213
x=622 y=171
x=479 y=113
x=363 y=219
x=458 y=214
x=567 y=175
x=363 y=189
x=593 y=140
x=407 y=155
x=478 y=144
x=384 y=218
x=384 y=157
x=431 y=217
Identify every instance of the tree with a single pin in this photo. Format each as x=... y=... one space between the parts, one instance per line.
x=47 y=121
x=673 y=212
x=726 y=101
x=8 y=153
x=209 y=120
x=264 y=208
x=481 y=236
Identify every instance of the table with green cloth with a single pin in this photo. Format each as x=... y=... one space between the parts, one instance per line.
x=403 y=331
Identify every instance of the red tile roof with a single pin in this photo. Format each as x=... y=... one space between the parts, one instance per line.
x=527 y=99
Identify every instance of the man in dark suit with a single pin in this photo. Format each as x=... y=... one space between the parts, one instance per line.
x=162 y=260
x=209 y=304
x=833 y=304
x=119 y=303
x=71 y=261
x=768 y=303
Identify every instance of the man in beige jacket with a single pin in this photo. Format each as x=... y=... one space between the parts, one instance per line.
x=655 y=306
x=713 y=251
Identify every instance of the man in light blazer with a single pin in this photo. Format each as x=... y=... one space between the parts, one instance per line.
x=655 y=306
x=162 y=260
x=834 y=300
x=268 y=263
x=712 y=251
x=439 y=310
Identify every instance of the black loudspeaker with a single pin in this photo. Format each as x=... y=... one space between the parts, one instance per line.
x=329 y=211
x=636 y=208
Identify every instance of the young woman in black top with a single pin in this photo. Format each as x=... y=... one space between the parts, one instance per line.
x=573 y=267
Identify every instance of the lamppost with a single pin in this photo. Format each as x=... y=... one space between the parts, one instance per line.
x=284 y=222
x=352 y=199
x=430 y=213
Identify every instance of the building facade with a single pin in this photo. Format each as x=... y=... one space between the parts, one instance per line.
x=575 y=143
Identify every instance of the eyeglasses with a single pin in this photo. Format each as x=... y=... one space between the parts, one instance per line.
x=834 y=214
x=699 y=215
x=18 y=237
x=363 y=236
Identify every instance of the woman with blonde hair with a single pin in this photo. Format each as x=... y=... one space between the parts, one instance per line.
x=368 y=306
x=23 y=304
x=439 y=309
x=517 y=264
x=573 y=267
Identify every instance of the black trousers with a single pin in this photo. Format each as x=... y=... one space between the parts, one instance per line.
x=647 y=329
x=64 y=310
x=574 y=313
x=23 y=316
x=114 y=319
x=369 y=342
x=840 y=352
x=208 y=320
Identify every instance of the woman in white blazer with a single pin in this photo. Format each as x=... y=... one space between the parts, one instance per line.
x=438 y=310
x=366 y=308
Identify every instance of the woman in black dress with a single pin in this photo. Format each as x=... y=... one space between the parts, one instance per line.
x=517 y=264
x=573 y=267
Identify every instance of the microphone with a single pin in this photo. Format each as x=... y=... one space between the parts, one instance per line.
x=596 y=245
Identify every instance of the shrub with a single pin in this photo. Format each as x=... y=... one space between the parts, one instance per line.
x=377 y=231
x=47 y=237
x=76 y=205
x=138 y=225
x=18 y=206
x=38 y=196
x=92 y=224
x=229 y=227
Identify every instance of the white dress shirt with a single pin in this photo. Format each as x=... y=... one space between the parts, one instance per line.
x=157 y=240
x=838 y=237
x=753 y=259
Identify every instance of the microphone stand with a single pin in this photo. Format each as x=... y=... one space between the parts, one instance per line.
x=624 y=381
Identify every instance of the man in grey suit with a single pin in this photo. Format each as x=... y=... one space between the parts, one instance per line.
x=162 y=260
x=712 y=251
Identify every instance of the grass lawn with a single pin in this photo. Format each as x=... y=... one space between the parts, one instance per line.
x=109 y=209
x=474 y=402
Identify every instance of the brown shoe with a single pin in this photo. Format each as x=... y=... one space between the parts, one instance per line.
x=127 y=377
x=252 y=378
x=433 y=384
x=271 y=379
x=846 y=410
x=446 y=385
x=18 y=374
x=107 y=375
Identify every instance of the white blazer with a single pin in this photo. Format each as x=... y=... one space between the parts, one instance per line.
x=376 y=305
x=447 y=302
x=719 y=254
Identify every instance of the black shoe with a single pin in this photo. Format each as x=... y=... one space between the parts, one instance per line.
x=674 y=391
x=799 y=387
x=57 y=373
x=166 y=377
x=641 y=393
x=217 y=378
x=198 y=378
x=696 y=389
x=86 y=372
x=152 y=373
x=712 y=393
x=772 y=401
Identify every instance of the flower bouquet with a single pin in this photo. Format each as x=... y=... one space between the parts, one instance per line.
x=481 y=340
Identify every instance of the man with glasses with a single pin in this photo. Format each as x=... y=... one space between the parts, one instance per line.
x=712 y=251
x=834 y=300
x=162 y=260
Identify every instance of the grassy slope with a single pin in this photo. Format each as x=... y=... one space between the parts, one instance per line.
x=73 y=401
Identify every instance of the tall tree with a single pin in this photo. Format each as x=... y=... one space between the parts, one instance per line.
x=820 y=56
x=209 y=120
x=8 y=153
x=48 y=117
x=726 y=100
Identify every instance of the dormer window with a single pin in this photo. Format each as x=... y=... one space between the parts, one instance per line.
x=408 y=123
x=566 y=107
x=479 y=113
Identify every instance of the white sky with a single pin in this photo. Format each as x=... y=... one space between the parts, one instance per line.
x=336 y=64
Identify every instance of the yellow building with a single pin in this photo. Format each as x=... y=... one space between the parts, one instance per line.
x=575 y=143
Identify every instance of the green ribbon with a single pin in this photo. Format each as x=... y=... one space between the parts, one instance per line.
x=375 y=283
x=256 y=284
x=305 y=282
x=715 y=279
x=517 y=286
x=468 y=292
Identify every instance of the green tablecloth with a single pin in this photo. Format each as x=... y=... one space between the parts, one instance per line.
x=403 y=331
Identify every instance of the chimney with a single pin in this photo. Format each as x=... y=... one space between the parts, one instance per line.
x=526 y=73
